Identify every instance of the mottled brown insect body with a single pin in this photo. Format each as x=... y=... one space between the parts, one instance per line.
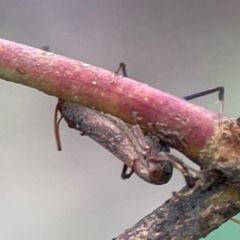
x=118 y=138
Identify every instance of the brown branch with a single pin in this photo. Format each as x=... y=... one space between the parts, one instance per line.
x=189 y=218
x=195 y=216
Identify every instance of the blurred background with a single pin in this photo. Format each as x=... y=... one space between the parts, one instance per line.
x=180 y=47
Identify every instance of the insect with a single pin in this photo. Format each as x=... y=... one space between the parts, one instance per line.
x=126 y=142
x=220 y=91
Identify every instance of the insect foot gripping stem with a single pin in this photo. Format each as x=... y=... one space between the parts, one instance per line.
x=111 y=133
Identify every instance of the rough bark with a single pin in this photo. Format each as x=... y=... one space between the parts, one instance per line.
x=198 y=213
x=188 y=218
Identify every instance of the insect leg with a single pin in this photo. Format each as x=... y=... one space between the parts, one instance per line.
x=134 y=141
x=207 y=92
x=136 y=130
x=45 y=48
x=220 y=91
x=124 y=173
x=176 y=162
x=122 y=66
x=56 y=126
x=151 y=144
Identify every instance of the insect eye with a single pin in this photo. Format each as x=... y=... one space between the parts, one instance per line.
x=156 y=172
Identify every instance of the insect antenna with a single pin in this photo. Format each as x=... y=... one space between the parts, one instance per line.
x=56 y=120
x=220 y=91
x=56 y=125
